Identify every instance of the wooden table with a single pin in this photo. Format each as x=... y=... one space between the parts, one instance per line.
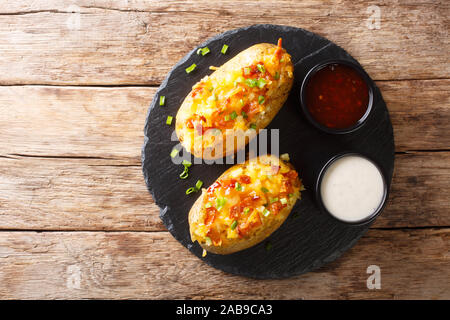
x=76 y=79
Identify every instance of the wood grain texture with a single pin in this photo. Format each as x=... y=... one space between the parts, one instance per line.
x=108 y=122
x=154 y=265
x=137 y=42
x=101 y=194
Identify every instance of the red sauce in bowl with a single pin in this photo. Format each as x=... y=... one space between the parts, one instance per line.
x=337 y=97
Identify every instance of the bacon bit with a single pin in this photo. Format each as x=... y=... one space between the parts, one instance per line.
x=275 y=169
x=210 y=215
x=246 y=226
x=286 y=186
x=245 y=179
x=214 y=235
x=279 y=49
x=291 y=174
x=197 y=90
x=276 y=207
x=214 y=186
x=251 y=109
x=235 y=211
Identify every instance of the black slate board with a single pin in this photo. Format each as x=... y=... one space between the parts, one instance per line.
x=309 y=238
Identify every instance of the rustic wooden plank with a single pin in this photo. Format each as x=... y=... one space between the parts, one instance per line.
x=122 y=42
x=102 y=194
x=108 y=122
x=127 y=265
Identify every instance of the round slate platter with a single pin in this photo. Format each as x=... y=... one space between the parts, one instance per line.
x=309 y=238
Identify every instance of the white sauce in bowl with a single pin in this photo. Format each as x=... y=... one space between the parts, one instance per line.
x=352 y=188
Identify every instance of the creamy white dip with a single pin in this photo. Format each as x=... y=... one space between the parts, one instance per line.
x=352 y=188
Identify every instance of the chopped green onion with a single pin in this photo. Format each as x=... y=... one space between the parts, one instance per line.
x=261 y=99
x=233 y=115
x=169 y=120
x=224 y=49
x=234 y=225
x=283 y=201
x=162 y=100
x=277 y=75
x=174 y=153
x=246 y=210
x=273 y=200
x=282 y=60
x=242 y=103
x=244 y=115
x=227 y=117
x=238 y=186
x=238 y=80
x=253 y=126
x=199 y=184
x=203 y=51
x=185 y=173
x=211 y=89
x=208 y=241
x=265 y=190
x=266 y=212
x=261 y=68
x=251 y=82
x=191 y=190
x=191 y=68
x=247 y=70
x=220 y=203
x=290 y=195
x=261 y=83
x=268 y=246
x=208 y=205
x=186 y=163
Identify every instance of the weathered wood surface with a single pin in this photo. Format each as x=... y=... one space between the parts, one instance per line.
x=100 y=194
x=413 y=264
x=137 y=42
x=108 y=122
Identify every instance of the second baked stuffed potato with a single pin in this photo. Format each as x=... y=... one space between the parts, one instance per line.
x=245 y=205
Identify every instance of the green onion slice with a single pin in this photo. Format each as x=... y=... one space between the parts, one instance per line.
x=208 y=205
x=224 y=49
x=246 y=210
x=185 y=173
x=277 y=75
x=234 y=225
x=220 y=203
x=199 y=184
x=233 y=115
x=266 y=212
x=265 y=190
x=251 y=82
x=169 y=120
x=244 y=115
x=261 y=83
x=273 y=200
x=186 y=163
x=238 y=186
x=283 y=201
x=261 y=68
x=174 y=153
x=253 y=126
x=191 y=68
x=191 y=190
x=208 y=241
x=261 y=99
x=162 y=100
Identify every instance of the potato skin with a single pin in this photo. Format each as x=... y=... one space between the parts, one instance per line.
x=278 y=93
x=197 y=215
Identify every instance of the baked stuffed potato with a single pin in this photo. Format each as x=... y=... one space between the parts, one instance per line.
x=244 y=205
x=235 y=102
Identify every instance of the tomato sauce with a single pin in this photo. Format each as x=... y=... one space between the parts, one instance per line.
x=337 y=96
